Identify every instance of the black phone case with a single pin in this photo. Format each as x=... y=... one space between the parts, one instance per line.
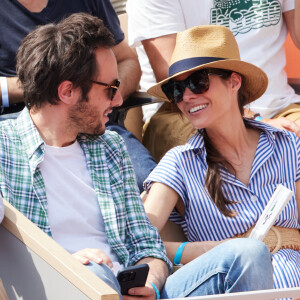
x=134 y=276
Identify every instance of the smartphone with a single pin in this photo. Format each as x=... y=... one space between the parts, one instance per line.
x=134 y=276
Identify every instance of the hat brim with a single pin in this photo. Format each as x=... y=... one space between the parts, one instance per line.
x=255 y=80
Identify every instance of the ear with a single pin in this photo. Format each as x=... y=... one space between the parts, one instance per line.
x=236 y=81
x=66 y=92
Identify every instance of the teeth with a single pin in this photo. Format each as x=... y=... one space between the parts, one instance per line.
x=196 y=108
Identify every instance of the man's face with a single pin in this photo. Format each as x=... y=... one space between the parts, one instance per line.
x=91 y=116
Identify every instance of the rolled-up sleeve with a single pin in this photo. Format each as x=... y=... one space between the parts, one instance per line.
x=142 y=238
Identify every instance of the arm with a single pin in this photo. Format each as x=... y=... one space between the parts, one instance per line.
x=128 y=68
x=158 y=273
x=292 y=18
x=15 y=92
x=281 y=123
x=159 y=205
x=191 y=250
x=159 y=51
x=141 y=238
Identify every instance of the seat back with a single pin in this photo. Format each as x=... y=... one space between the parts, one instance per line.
x=33 y=266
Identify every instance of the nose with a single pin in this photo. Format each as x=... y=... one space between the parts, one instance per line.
x=117 y=100
x=188 y=95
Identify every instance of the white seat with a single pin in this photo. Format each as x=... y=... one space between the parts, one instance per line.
x=33 y=266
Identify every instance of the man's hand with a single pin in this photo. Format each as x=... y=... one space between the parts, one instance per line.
x=147 y=292
x=96 y=255
x=284 y=123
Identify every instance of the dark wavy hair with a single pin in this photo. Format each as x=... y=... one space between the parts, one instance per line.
x=215 y=161
x=53 y=53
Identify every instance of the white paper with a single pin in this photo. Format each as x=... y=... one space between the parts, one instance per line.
x=279 y=199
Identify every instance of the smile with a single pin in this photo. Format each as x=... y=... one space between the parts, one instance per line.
x=197 y=108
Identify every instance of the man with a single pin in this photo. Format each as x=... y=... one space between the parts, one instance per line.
x=69 y=76
x=260 y=28
x=75 y=181
x=24 y=16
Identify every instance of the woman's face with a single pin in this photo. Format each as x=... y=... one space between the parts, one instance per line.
x=220 y=100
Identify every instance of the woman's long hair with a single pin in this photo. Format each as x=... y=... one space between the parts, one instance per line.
x=214 y=159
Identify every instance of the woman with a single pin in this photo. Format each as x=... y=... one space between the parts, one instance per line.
x=217 y=185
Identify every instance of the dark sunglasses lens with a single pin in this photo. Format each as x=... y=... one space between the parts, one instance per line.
x=198 y=82
x=173 y=90
x=113 y=90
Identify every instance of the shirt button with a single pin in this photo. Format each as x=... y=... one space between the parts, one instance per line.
x=253 y=198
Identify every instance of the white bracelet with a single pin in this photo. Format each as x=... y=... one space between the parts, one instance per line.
x=4 y=91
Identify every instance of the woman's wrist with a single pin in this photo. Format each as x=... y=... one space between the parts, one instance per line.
x=178 y=254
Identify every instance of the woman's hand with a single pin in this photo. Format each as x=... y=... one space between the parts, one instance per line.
x=284 y=123
x=95 y=255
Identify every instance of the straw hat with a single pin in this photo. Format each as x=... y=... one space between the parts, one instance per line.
x=212 y=46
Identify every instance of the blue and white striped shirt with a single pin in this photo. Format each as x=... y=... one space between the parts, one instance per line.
x=277 y=160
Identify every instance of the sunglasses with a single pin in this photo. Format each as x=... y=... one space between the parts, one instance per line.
x=112 y=89
x=198 y=83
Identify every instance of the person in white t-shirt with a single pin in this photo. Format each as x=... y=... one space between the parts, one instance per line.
x=260 y=28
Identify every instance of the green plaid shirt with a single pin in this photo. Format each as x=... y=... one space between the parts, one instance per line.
x=129 y=231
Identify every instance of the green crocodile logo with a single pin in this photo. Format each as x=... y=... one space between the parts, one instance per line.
x=240 y=16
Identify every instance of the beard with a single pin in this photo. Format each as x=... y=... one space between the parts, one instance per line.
x=85 y=118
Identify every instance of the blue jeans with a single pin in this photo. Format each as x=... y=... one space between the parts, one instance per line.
x=106 y=274
x=143 y=162
x=234 y=266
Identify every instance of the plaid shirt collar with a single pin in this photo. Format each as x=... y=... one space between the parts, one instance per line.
x=32 y=142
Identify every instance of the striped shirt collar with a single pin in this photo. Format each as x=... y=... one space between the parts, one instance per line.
x=196 y=142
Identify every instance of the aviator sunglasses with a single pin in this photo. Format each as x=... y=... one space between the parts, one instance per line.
x=198 y=83
x=112 y=88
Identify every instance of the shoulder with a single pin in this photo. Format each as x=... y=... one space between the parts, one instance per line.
x=153 y=18
x=110 y=141
x=8 y=130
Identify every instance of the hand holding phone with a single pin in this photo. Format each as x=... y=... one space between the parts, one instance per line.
x=130 y=277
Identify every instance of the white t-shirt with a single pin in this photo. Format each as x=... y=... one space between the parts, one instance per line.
x=74 y=214
x=258 y=26
x=1 y=209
